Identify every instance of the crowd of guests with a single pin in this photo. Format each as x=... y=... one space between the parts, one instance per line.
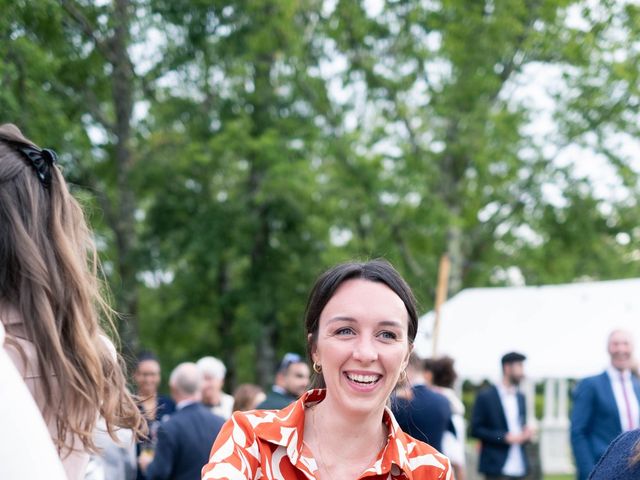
x=183 y=426
x=605 y=417
x=367 y=406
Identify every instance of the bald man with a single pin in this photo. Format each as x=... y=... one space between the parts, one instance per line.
x=185 y=440
x=605 y=405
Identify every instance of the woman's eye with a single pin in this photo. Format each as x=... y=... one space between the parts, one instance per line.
x=388 y=335
x=344 y=331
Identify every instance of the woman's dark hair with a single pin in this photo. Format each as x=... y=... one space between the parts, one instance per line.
x=244 y=396
x=428 y=364
x=444 y=375
x=379 y=271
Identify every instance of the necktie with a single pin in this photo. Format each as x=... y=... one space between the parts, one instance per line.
x=630 y=422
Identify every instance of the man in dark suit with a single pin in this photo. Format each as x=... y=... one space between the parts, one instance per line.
x=605 y=405
x=498 y=420
x=292 y=379
x=185 y=440
x=421 y=412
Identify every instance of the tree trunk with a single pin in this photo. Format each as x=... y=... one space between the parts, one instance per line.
x=122 y=91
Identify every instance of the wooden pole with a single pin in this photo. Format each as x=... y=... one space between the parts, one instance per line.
x=441 y=297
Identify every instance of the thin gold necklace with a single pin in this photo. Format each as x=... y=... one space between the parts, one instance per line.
x=321 y=457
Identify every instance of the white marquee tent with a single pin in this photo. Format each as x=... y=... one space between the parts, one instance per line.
x=561 y=328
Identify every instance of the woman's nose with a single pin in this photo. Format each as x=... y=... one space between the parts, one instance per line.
x=365 y=350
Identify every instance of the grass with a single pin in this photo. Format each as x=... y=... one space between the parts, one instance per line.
x=559 y=477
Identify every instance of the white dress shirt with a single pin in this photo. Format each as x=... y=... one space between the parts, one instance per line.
x=514 y=466
x=629 y=416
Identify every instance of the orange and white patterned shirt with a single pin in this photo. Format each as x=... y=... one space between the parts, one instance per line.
x=268 y=444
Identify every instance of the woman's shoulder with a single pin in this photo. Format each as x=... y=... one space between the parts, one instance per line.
x=614 y=463
x=630 y=436
x=418 y=448
x=420 y=455
x=624 y=442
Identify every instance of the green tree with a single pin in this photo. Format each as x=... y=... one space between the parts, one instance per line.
x=439 y=145
x=228 y=151
x=233 y=139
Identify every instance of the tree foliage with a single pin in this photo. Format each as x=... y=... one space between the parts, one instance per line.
x=230 y=151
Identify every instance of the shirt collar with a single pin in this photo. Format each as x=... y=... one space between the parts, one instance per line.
x=290 y=434
x=279 y=389
x=184 y=403
x=418 y=380
x=504 y=390
x=614 y=373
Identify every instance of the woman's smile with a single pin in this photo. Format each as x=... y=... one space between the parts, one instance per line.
x=362 y=382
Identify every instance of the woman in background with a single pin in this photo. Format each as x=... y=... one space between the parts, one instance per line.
x=247 y=397
x=453 y=446
x=51 y=304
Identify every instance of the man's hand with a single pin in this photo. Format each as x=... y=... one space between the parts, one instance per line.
x=519 y=438
x=145 y=458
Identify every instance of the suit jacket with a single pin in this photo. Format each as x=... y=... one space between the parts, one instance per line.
x=425 y=417
x=184 y=443
x=489 y=425
x=276 y=401
x=595 y=420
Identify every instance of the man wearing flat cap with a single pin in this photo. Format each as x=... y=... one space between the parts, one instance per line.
x=499 y=422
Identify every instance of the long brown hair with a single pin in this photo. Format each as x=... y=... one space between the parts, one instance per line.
x=635 y=458
x=49 y=274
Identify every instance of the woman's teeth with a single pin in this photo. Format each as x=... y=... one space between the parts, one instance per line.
x=367 y=379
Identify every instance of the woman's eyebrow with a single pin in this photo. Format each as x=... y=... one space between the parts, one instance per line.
x=383 y=323
x=390 y=323
x=341 y=318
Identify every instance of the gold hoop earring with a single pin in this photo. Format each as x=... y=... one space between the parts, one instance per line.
x=317 y=368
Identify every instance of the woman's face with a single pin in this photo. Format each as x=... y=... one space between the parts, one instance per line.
x=147 y=377
x=362 y=345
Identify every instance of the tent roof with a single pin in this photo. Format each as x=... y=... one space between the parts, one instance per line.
x=562 y=329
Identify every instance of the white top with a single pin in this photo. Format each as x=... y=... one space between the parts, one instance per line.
x=514 y=466
x=25 y=443
x=225 y=408
x=115 y=460
x=629 y=419
x=453 y=446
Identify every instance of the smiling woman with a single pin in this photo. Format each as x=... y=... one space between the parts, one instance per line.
x=361 y=321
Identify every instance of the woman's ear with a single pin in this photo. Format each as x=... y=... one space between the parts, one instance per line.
x=405 y=362
x=312 y=348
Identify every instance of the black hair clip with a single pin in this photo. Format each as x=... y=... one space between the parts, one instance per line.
x=41 y=160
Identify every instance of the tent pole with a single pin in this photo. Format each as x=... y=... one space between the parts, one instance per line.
x=441 y=296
